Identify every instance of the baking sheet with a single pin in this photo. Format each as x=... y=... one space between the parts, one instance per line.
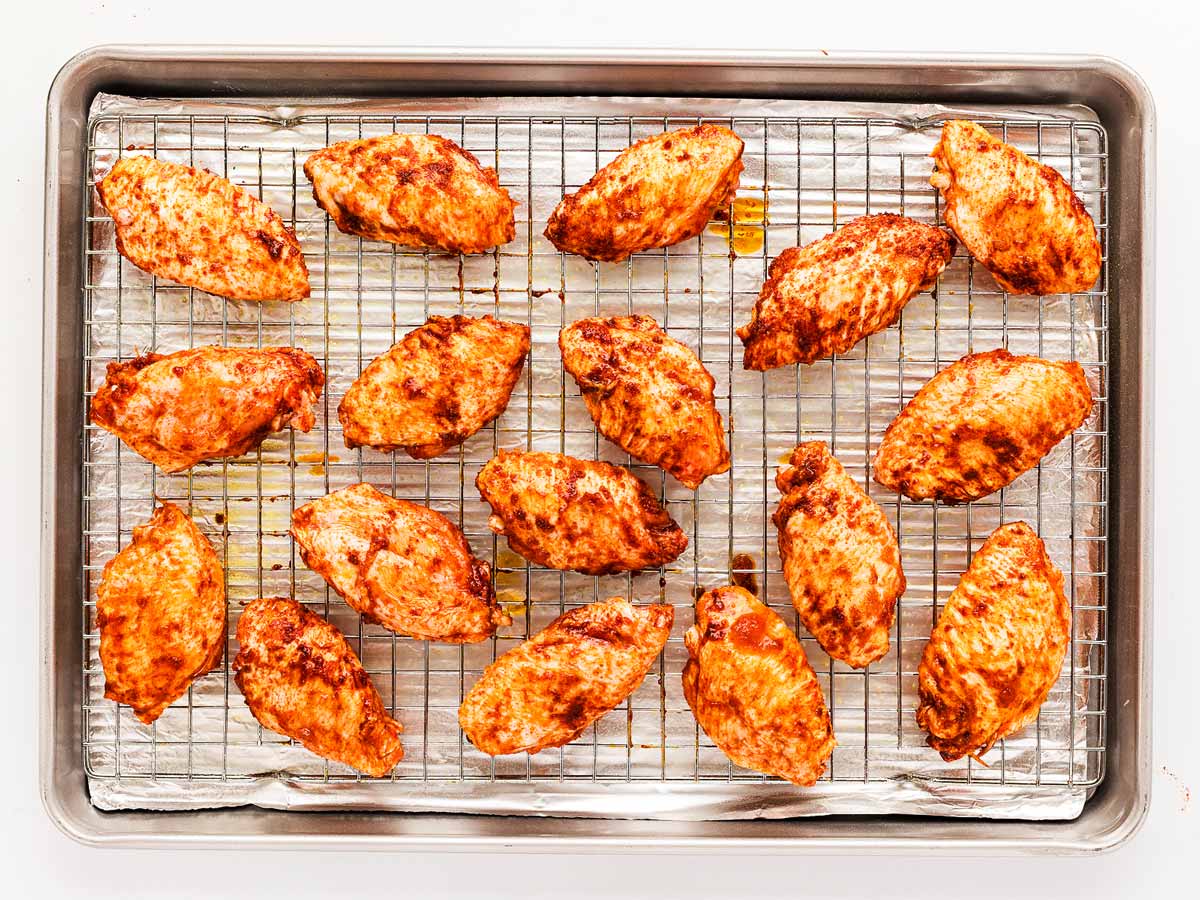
x=809 y=166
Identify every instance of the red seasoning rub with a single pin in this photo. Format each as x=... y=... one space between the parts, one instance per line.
x=417 y=190
x=661 y=191
x=201 y=230
x=206 y=403
x=979 y=423
x=1017 y=216
x=827 y=296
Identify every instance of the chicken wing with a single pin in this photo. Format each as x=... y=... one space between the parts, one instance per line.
x=752 y=690
x=301 y=679
x=648 y=394
x=201 y=230
x=160 y=609
x=436 y=387
x=979 y=423
x=417 y=190
x=546 y=691
x=827 y=296
x=1018 y=217
x=399 y=564
x=840 y=556
x=659 y=192
x=206 y=403
x=567 y=513
x=997 y=648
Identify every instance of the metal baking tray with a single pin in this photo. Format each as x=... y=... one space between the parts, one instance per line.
x=1110 y=140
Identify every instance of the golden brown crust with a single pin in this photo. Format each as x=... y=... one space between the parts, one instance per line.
x=1018 y=217
x=752 y=690
x=546 y=691
x=979 y=423
x=661 y=191
x=827 y=296
x=160 y=609
x=997 y=648
x=399 y=564
x=201 y=230
x=417 y=190
x=840 y=556
x=206 y=403
x=567 y=513
x=301 y=679
x=435 y=387
x=648 y=394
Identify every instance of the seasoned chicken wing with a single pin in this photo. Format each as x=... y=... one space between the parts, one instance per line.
x=648 y=394
x=418 y=190
x=1018 y=217
x=827 y=296
x=201 y=230
x=436 y=387
x=206 y=403
x=659 y=192
x=301 y=679
x=979 y=423
x=546 y=691
x=160 y=609
x=752 y=690
x=567 y=513
x=997 y=648
x=399 y=564
x=840 y=556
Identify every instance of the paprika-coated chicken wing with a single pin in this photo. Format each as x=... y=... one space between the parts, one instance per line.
x=567 y=513
x=661 y=191
x=997 y=648
x=979 y=423
x=417 y=190
x=648 y=394
x=436 y=387
x=402 y=565
x=206 y=403
x=1017 y=216
x=752 y=690
x=827 y=296
x=840 y=556
x=160 y=609
x=201 y=230
x=546 y=691
x=301 y=679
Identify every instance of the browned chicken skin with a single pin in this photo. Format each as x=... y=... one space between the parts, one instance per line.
x=567 y=513
x=399 y=564
x=436 y=386
x=827 y=296
x=997 y=648
x=546 y=691
x=980 y=423
x=201 y=230
x=301 y=679
x=160 y=609
x=206 y=403
x=1018 y=217
x=659 y=192
x=752 y=690
x=418 y=190
x=840 y=556
x=648 y=394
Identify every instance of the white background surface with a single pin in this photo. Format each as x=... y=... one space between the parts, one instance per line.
x=1162 y=45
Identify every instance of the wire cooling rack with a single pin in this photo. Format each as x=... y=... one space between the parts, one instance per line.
x=803 y=177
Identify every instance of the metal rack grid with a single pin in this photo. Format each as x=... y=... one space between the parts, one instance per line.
x=808 y=175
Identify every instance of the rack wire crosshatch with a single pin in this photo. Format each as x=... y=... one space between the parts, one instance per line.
x=808 y=175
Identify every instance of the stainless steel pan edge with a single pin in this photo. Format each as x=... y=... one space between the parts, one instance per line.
x=1114 y=92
